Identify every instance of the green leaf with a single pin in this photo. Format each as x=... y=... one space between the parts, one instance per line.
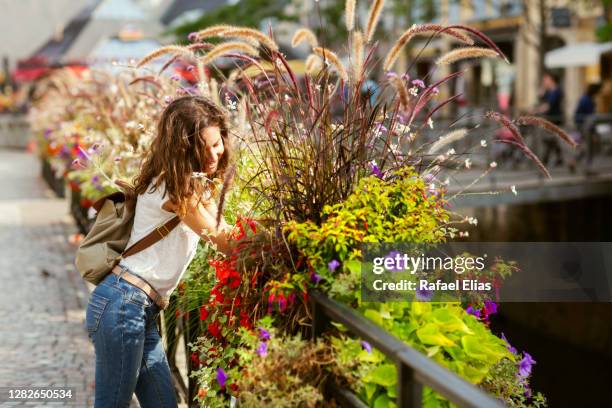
x=385 y=375
x=374 y=315
x=431 y=334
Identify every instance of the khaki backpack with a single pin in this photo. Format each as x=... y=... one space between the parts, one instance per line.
x=104 y=245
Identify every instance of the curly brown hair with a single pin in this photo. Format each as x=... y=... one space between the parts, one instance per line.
x=178 y=150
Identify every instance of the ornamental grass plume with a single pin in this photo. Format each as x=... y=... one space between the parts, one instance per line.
x=373 y=17
x=400 y=87
x=227 y=47
x=168 y=49
x=357 y=61
x=250 y=34
x=349 y=14
x=549 y=126
x=448 y=138
x=314 y=64
x=333 y=59
x=507 y=123
x=304 y=34
x=213 y=31
x=421 y=29
x=464 y=53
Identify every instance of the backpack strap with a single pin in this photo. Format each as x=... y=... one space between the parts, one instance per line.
x=151 y=238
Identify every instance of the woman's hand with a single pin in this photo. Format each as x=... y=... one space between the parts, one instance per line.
x=201 y=217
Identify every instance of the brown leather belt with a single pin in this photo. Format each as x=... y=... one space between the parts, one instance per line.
x=141 y=284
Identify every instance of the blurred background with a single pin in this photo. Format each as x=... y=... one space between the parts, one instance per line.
x=560 y=67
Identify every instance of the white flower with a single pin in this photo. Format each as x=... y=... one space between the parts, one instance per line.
x=447 y=181
x=430 y=123
x=472 y=220
x=513 y=189
x=373 y=163
x=450 y=151
x=287 y=98
x=464 y=234
x=468 y=163
x=483 y=143
x=493 y=164
x=414 y=91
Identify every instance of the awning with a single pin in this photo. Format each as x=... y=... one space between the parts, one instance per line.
x=576 y=55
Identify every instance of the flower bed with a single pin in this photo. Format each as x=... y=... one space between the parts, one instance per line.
x=322 y=169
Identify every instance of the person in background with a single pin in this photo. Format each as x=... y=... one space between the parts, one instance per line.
x=586 y=105
x=550 y=107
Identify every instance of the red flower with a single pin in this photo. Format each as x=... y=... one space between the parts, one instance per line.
x=214 y=329
x=195 y=360
x=245 y=321
x=203 y=313
x=177 y=313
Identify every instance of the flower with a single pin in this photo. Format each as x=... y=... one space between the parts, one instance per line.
x=203 y=313
x=192 y=36
x=315 y=277
x=333 y=264
x=419 y=83
x=472 y=311
x=424 y=295
x=483 y=143
x=262 y=350
x=525 y=365
x=490 y=307
x=214 y=329
x=509 y=347
x=366 y=346
x=221 y=377
x=263 y=333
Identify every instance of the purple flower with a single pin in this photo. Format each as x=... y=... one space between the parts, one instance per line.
x=315 y=278
x=525 y=365
x=490 y=307
x=262 y=350
x=221 y=377
x=117 y=158
x=473 y=311
x=175 y=77
x=392 y=255
x=424 y=295
x=192 y=36
x=419 y=83
x=332 y=265
x=376 y=171
x=428 y=178
x=380 y=128
x=48 y=132
x=509 y=347
x=366 y=346
x=190 y=68
x=263 y=333
x=95 y=179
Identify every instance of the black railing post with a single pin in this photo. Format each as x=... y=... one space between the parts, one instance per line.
x=319 y=318
x=409 y=391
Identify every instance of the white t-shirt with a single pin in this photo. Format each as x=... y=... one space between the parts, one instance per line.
x=163 y=263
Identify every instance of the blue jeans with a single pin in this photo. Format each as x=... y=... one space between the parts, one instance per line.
x=121 y=323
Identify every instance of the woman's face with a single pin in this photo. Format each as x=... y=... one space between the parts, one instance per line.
x=214 y=148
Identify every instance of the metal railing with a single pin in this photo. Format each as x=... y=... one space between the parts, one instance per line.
x=414 y=370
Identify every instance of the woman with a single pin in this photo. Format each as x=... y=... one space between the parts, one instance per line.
x=191 y=142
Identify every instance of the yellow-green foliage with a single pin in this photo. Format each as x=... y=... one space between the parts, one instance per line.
x=397 y=210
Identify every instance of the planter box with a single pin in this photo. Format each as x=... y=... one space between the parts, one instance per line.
x=14 y=130
x=57 y=184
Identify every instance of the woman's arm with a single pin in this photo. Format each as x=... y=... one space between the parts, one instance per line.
x=201 y=218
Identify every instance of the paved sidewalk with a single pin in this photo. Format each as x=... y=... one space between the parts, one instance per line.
x=42 y=307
